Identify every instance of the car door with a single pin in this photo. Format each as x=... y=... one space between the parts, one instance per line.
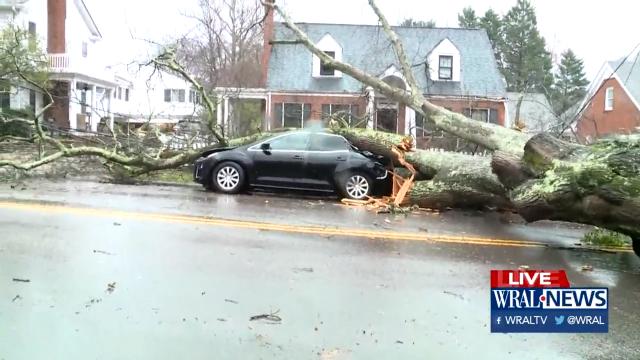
x=282 y=163
x=326 y=152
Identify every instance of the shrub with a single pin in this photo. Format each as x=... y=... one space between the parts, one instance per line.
x=604 y=237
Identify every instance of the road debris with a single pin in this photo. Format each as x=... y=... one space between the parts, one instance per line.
x=91 y=302
x=111 y=287
x=334 y=354
x=304 y=269
x=117 y=224
x=454 y=294
x=221 y=319
x=272 y=317
x=21 y=280
x=231 y=301
x=399 y=342
x=102 y=252
x=587 y=268
x=17 y=297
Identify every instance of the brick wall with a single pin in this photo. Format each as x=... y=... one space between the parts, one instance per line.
x=317 y=101
x=316 y=104
x=57 y=14
x=460 y=105
x=59 y=111
x=267 y=35
x=595 y=122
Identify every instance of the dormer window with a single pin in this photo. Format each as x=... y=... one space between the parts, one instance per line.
x=330 y=47
x=326 y=69
x=444 y=62
x=445 y=69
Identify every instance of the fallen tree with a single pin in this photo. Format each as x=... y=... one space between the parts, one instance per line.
x=542 y=177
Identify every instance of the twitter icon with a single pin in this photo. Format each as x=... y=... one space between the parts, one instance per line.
x=559 y=319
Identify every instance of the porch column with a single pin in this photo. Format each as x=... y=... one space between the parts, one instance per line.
x=267 y=118
x=73 y=104
x=410 y=123
x=219 y=110
x=370 y=110
x=93 y=122
x=109 y=109
x=225 y=120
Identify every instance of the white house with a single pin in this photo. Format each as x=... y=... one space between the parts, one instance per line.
x=81 y=85
x=147 y=95
x=86 y=91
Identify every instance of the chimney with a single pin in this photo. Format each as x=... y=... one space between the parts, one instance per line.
x=57 y=15
x=267 y=37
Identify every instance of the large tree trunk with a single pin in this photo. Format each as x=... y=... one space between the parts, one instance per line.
x=446 y=179
x=553 y=179
x=597 y=184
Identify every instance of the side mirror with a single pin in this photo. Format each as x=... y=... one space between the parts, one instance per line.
x=265 y=146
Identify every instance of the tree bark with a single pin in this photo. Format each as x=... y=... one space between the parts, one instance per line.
x=447 y=179
x=597 y=185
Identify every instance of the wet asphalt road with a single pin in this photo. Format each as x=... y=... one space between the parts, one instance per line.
x=185 y=287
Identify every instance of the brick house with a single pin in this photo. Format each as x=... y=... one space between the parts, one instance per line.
x=455 y=68
x=612 y=104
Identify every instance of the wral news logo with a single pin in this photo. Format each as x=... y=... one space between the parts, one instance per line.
x=544 y=301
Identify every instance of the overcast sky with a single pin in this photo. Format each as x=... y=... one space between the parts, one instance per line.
x=595 y=31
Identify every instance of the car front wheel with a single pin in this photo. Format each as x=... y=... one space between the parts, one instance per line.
x=228 y=178
x=357 y=186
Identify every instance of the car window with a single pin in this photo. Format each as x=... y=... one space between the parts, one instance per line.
x=321 y=142
x=296 y=141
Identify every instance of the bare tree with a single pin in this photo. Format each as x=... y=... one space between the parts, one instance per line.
x=225 y=48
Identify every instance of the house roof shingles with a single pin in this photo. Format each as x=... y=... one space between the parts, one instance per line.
x=367 y=47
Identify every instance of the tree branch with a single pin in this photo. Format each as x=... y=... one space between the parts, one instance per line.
x=491 y=136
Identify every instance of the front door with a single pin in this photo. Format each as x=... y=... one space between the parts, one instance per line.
x=387 y=120
x=282 y=164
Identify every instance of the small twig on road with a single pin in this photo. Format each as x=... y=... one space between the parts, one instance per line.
x=310 y=270
x=111 y=287
x=454 y=294
x=272 y=317
x=102 y=252
x=18 y=297
x=21 y=280
x=230 y=301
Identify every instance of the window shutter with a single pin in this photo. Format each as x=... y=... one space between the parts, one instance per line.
x=167 y=95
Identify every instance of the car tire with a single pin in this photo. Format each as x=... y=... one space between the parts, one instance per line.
x=228 y=178
x=356 y=186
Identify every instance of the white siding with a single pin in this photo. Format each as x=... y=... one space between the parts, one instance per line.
x=444 y=48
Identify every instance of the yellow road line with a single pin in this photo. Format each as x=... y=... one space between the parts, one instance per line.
x=317 y=230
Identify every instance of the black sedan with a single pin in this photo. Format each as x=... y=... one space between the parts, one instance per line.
x=296 y=160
